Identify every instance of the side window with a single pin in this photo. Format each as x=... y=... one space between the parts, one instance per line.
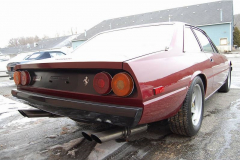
x=45 y=55
x=56 y=54
x=190 y=42
x=204 y=41
x=53 y=54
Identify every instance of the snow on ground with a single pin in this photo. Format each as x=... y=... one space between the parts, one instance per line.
x=9 y=108
x=100 y=151
x=3 y=66
x=7 y=84
x=8 y=105
x=233 y=55
x=234 y=86
x=3 y=74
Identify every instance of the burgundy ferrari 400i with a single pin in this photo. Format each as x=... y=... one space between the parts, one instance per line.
x=130 y=77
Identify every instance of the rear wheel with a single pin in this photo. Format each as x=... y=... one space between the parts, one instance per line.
x=188 y=120
x=226 y=86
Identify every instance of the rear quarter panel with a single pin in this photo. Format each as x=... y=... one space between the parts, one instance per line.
x=174 y=70
x=224 y=68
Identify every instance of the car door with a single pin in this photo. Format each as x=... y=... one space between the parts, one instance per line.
x=197 y=57
x=217 y=63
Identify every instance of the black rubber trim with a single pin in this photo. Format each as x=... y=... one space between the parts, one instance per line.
x=82 y=110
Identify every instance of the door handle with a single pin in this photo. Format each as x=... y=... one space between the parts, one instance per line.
x=211 y=60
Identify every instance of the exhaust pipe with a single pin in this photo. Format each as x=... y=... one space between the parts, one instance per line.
x=114 y=133
x=87 y=135
x=31 y=113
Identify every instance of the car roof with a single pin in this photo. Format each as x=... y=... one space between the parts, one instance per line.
x=47 y=52
x=143 y=25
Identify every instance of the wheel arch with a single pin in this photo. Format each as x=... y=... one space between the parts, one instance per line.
x=203 y=78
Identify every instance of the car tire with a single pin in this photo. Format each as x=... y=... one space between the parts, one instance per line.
x=226 y=86
x=189 y=118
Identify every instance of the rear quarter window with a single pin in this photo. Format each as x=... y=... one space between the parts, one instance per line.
x=190 y=41
x=206 y=45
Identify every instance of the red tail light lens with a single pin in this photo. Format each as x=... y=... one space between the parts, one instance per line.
x=102 y=83
x=122 y=84
x=17 y=77
x=25 y=78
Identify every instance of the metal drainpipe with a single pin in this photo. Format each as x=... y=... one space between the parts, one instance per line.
x=221 y=18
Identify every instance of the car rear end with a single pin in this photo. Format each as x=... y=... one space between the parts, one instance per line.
x=91 y=95
x=94 y=83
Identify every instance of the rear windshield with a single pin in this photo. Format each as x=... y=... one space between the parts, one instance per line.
x=130 y=43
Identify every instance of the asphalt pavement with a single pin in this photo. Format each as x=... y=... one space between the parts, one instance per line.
x=60 y=138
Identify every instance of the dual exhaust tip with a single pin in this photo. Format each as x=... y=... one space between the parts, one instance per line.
x=113 y=134
x=99 y=137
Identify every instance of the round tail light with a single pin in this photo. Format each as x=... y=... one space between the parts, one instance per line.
x=17 y=77
x=25 y=78
x=122 y=84
x=102 y=83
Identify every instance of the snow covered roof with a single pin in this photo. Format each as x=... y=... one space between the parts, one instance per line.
x=200 y=14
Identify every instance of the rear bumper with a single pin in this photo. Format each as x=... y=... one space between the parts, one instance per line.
x=83 y=110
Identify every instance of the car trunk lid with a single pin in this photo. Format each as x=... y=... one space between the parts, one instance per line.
x=71 y=61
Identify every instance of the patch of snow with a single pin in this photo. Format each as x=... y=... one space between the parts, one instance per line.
x=10 y=105
x=3 y=66
x=103 y=150
x=234 y=86
x=20 y=122
x=7 y=84
x=10 y=108
x=6 y=115
x=3 y=74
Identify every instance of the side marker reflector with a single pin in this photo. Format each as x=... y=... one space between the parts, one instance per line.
x=158 y=90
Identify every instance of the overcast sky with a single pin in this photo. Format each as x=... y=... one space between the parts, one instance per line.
x=50 y=17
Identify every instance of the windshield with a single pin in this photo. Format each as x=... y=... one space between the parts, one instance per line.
x=129 y=43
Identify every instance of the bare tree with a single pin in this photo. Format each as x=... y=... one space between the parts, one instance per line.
x=45 y=37
x=22 y=41
x=36 y=39
x=13 y=42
